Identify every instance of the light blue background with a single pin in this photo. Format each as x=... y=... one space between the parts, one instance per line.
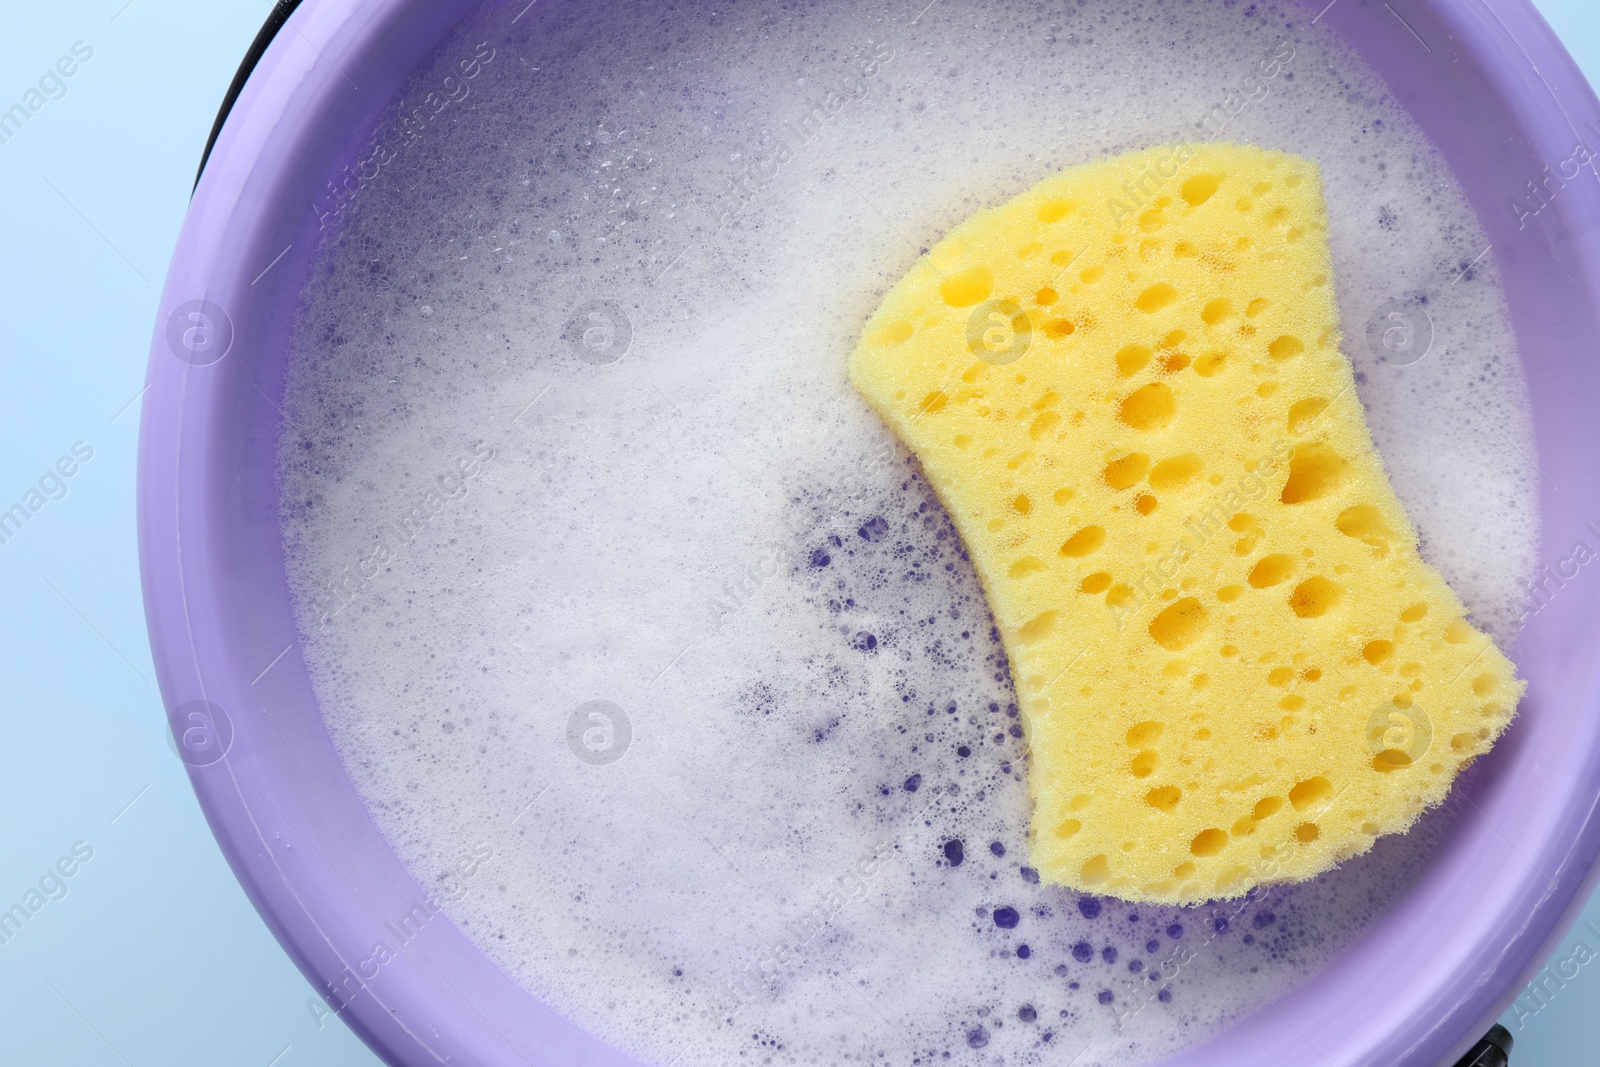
x=154 y=956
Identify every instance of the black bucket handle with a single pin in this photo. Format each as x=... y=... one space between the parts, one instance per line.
x=275 y=21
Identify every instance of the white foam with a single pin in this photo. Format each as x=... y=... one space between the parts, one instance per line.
x=752 y=880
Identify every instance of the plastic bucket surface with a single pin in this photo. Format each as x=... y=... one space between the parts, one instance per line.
x=1485 y=79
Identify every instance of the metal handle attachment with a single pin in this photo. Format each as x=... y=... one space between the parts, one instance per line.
x=1493 y=1051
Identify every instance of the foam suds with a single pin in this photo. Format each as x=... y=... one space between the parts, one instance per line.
x=569 y=422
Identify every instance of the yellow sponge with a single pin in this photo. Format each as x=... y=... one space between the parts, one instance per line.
x=1126 y=386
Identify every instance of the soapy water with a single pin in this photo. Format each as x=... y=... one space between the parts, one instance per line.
x=598 y=558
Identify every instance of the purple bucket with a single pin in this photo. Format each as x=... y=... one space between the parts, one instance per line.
x=1493 y=89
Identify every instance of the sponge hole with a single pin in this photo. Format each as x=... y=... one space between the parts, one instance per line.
x=1365 y=523
x=1179 y=624
x=1132 y=359
x=1156 y=297
x=1311 y=793
x=1037 y=628
x=1143 y=764
x=1210 y=364
x=1244 y=522
x=1315 y=470
x=1164 y=798
x=1176 y=472
x=1126 y=472
x=968 y=287
x=1265 y=807
x=1285 y=347
x=1098 y=582
x=1209 y=842
x=1042 y=425
x=1200 y=188
x=1216 y=311
x=1148 y=408
x=1315 y=597
x=1084 y=542
x=1377 y=652
x=1305 y=412
x=1271 y=570
x=891 y=334
x=1026 y=565
x=1145 y=733
x=1054 y=210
